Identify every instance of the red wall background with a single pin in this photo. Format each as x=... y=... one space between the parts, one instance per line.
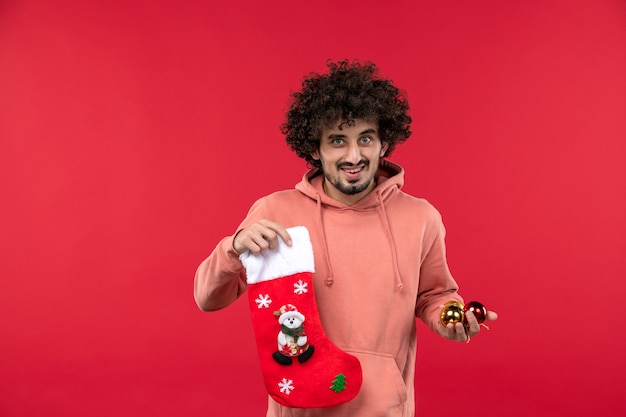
x=135 y=134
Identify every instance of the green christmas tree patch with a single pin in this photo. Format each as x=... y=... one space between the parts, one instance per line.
x=339 y=383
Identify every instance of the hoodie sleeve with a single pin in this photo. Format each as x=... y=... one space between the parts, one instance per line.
x=221 y=278
x=437 y=286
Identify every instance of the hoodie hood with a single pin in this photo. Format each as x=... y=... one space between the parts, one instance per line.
x=389 y=181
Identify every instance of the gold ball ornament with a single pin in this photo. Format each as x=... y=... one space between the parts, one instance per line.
x=452 y=312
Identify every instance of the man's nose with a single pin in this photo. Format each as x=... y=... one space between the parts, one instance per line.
x=353 y=155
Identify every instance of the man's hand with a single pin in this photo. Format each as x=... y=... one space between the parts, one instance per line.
x=463 y=333
x=259 y=236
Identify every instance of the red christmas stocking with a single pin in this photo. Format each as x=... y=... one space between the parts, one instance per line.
x=301 y=366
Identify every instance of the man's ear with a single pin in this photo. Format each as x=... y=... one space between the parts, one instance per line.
x=315 y=155
x=383 y=149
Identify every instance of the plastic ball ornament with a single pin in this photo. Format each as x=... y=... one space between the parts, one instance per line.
x=479 y=310
x=452 y=312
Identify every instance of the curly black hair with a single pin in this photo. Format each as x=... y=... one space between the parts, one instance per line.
x=349 y=91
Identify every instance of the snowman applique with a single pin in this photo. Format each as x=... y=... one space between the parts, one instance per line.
x=292 y=339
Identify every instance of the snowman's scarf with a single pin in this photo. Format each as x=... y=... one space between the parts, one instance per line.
x=297 y=332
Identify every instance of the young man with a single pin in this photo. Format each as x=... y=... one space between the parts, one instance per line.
x=379 y=253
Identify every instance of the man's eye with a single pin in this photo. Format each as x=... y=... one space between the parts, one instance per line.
x=366 y=139
x=337 y=141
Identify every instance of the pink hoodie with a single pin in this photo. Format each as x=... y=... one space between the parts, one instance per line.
x=379 y=263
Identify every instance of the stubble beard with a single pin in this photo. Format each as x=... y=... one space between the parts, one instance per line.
x=349 y=188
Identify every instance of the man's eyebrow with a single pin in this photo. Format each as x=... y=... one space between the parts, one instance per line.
x=336 y=136
x=370 y=130
x=341 y=135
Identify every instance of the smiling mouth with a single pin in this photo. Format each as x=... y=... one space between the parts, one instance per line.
x=353 y=174
x=354 y=170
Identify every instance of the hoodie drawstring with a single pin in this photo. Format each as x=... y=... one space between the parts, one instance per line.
x=385 y=220
x=329 y=279
x=392 y=243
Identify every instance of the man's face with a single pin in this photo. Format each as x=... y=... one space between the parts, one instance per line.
x=350 y=156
